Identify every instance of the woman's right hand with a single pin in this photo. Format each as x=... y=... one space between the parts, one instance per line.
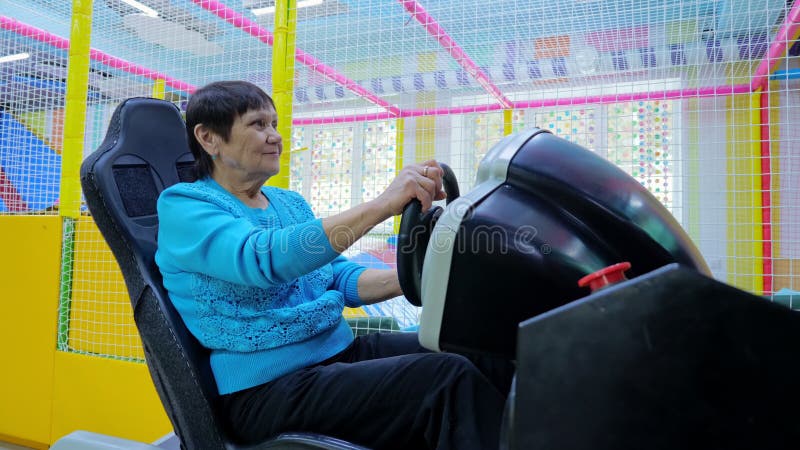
x=416 y=181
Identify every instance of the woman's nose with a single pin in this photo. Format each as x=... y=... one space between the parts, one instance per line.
x=274 y=137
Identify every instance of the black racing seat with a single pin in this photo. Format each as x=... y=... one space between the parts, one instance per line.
x=145 y=151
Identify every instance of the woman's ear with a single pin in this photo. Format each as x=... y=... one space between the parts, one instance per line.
x=206 y=138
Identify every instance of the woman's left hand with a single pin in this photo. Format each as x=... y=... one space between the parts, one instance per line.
x=416 y=181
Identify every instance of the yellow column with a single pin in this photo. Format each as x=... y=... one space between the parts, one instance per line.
x=159 y=89
x=75 y=107
x=775 y=166
x=400 y=136
x=755 y=191
x=508 y=124
x=745 y=253
x=72 y=154
x=398 y=159
x=425 y=126
x=283 y=80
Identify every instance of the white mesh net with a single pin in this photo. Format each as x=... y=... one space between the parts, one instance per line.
x=669 y=90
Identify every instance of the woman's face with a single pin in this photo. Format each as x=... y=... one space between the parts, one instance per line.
x=254 y=146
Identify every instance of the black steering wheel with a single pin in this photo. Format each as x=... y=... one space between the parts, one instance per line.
x=414 y=234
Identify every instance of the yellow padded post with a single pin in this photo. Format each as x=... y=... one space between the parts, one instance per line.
x=159 y=89
x=283 y=49
x=75 y=107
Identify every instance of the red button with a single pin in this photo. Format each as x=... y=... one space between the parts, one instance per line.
x=605 y=277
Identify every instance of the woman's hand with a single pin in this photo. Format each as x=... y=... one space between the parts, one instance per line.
x=417 y=181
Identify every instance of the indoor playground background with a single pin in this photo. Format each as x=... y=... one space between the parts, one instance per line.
x=699 y=100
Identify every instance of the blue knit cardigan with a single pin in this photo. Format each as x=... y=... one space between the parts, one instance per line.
x=261 y=288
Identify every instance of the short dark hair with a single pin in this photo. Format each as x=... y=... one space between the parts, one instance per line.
x=216 y=106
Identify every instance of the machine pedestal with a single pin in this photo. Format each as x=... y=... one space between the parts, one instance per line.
x=669 y=360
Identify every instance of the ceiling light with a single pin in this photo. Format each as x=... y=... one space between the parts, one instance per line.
x=143 y=8
x=262 y=11
x=271 y=9
x=170 y=35
x=14 y=57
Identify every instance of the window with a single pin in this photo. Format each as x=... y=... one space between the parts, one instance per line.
x=640 y=141
x=638 y=137
x=323 y=166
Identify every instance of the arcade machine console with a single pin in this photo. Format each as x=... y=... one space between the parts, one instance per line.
x=667 y=359
x=544 y=213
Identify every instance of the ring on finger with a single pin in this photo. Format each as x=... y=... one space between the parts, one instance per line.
x=425 y=171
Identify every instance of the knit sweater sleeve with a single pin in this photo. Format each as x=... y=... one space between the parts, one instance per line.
x=345 y=279
x=345 y=272
x=198 y=235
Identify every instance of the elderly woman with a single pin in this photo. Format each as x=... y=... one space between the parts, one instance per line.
x=261 y=283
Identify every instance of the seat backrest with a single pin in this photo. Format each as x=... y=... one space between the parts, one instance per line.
x=145 y=151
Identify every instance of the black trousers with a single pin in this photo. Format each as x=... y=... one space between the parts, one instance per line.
x=384 y=391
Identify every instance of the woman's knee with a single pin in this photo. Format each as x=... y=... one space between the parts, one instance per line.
x=385 y=345
x=453 y=365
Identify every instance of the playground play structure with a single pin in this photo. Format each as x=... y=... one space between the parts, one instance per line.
x=697 y=100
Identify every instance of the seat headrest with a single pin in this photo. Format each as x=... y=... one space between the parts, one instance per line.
x=145 y=151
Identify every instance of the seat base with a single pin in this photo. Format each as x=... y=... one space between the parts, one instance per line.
x=86 y=440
